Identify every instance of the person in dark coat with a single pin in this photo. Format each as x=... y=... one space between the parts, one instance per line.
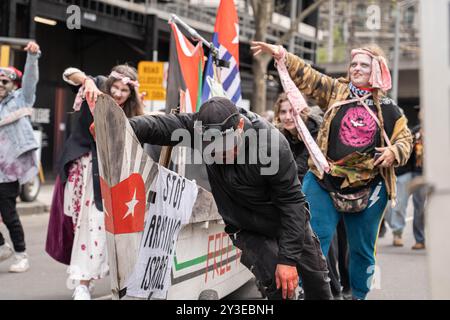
x=338 y=253
x=264 y=210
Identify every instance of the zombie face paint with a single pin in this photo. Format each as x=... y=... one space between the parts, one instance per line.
x=360 y=70
x=358 y=128
x=120 y=92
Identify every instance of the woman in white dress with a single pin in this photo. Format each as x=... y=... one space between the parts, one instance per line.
x=79 y=174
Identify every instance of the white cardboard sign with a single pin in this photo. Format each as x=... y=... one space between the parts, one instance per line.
x=175 y=198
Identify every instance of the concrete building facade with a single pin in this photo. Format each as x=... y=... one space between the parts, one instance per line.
x=348 y=24
x=124 y=31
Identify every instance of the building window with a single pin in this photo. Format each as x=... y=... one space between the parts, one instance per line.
x=361 y=15
x=283 y=7
x=408 y=16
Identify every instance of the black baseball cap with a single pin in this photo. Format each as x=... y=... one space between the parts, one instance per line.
x=218 y=118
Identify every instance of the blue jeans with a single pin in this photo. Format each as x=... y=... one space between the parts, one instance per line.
x=419 y=197
x=396 y=217
x=362 y=230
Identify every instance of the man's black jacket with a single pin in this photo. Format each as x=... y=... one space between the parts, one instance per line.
x=271 y=205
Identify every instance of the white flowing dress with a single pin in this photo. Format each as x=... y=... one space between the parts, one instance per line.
x=89 y=259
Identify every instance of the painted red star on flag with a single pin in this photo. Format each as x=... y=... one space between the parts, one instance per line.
x=227 y=27
x=124 y=205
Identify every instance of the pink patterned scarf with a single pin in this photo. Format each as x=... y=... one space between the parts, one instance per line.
x=296 y=99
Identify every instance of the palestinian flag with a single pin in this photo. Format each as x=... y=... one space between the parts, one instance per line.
x=184 y=83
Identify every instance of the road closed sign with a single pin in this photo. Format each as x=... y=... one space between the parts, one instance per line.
x=153 y=80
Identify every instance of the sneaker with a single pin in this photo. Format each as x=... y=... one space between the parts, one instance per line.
x=260 y=287
x=21 y=264
x=5 y=252
x=338 y=296
x=91 y=286
x=398 y=241
x=81 y=293
x=347 y=294
x=301 y=294
x=418 y=246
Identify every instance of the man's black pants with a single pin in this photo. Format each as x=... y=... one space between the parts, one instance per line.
x=8 y=196
x=260 y=255
x=337 y=260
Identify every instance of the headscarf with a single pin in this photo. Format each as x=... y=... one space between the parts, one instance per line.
x=114 y=74
x=380 y=77
x=124 y=79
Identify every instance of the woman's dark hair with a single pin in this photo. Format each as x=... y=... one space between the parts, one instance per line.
x=133 y=106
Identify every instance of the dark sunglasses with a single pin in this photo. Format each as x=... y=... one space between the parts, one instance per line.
x=5 y=82
x=217 y=126
x=8 y=73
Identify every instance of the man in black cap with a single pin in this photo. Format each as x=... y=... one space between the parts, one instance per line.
x=264 y=210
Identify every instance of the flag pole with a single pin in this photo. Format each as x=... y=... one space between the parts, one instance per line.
x=195 y=35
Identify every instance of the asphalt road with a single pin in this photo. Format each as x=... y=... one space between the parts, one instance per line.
x=403 y=272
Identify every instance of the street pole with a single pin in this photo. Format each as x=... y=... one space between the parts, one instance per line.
x=395 y=72
x=395 y=76
x=435 y=99
x=331 y=32
x=293 y=16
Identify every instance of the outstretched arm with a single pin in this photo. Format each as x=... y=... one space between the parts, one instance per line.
x=31 y=73
x=76 y=77
x=158 y=129
x=308 y=80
